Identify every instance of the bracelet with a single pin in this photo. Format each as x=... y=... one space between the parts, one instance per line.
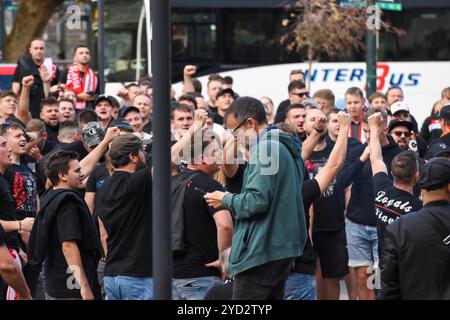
x=319 y=131
x=20 y=225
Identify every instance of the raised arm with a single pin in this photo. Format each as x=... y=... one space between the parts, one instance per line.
x=337 y=156
x=376 y=158
x=311 y=141
x=188 y=72
x=90 y=161
x=23 y=111
x=200 y=117
x=12 y=274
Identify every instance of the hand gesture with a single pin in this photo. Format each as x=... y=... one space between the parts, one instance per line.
x=344 y=118
x=111 y=133
x=189 y=71
x=215 y=199
x=27 y=81
x=320 y=123
x=123 y=93
x=200 y=117
x=375 y=120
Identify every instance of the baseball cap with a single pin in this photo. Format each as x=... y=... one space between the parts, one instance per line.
x=129 y=109
x=223 y=91
x=435 y=174
x=104 y=97
x=125 y=144
x=399 y=106
x=445 y=112
x=399 y=122
x=122 y=124
x=92 y=134
x=437 y=150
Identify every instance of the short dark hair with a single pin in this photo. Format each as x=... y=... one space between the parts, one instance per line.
x=354 y=91
x=181 y=107
x=189 y=98
x=227 y=80
x=404 y=166
x=7 y=93
x=11 y=126
x=297 y=71
x=197 y=85
x=50 y=101
x=68 y=128
x=195 y=95
x=214 y=77
x=66 y=100
x=371 y=112
x=334 y=110
x=123 y=159
x=58 y=163
x=247 y=107
x=294 y=106
x=87 y=115
x=36 y=125
x=376 y=95
x=392 y=88
x=296 y=84
x=80 y=46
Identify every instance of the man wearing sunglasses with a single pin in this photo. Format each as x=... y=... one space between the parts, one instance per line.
x=297 y=94
x=400 y=131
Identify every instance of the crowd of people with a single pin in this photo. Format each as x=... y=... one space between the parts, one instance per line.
x=267 y=203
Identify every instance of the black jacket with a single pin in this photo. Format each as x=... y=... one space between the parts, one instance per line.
x=361 y=207
x=416 y=262
x=39 y=242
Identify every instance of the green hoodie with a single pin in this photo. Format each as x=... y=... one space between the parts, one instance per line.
x=269 y=215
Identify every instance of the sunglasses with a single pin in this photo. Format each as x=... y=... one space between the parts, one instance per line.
x=234 y=132
x=401 y=133
x=301 y=94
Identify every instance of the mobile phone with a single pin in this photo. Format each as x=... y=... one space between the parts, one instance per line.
x=200 y=190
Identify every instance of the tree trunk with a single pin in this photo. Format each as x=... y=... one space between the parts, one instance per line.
x=30 y=22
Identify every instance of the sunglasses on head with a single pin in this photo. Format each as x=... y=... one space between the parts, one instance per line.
x=401 y=133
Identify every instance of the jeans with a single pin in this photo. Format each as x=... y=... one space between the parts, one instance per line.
x=263 y=282
x=128 y=288
x=300 y=286
x=193 y=288
x=362 y=244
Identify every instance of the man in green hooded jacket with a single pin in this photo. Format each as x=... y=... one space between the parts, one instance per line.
x=270 y=226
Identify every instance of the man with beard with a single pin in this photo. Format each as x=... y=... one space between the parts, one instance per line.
x=50 y=115
x=295 y=118
x=400 y=131
x=124 y=208
x=81 y=79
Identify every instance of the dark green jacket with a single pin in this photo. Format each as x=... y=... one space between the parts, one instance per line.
x=269 y=215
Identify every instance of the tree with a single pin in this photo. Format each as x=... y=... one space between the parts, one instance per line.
x=30 y=22
x=323 y=27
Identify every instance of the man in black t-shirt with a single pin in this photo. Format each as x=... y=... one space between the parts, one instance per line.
x=124 y=208
x=33 y=65
x=207 y=231
x=393 y=198
x=65 y=234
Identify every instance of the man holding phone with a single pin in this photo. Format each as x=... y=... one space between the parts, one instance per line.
x=45 y=74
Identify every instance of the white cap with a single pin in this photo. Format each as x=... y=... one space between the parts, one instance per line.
x=399 y=106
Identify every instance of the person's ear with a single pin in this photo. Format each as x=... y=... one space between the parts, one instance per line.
x=62 y=177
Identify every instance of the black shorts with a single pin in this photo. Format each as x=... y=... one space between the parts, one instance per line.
x=331 y=249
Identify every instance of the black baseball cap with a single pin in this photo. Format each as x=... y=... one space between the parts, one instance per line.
x=438 y=149
x=129 y=109
x=399 y=122
x=104 y=97
x=221 y=92
x=435 y=174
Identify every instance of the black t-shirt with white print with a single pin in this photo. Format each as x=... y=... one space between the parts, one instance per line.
x=391 y=203
x=7 y=213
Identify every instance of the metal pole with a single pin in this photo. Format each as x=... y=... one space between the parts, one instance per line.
x=2 y=31
x=161 y=56
x=101 y=47
x=371 y=58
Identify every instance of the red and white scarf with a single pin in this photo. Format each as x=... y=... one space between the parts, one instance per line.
x=78 y=85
